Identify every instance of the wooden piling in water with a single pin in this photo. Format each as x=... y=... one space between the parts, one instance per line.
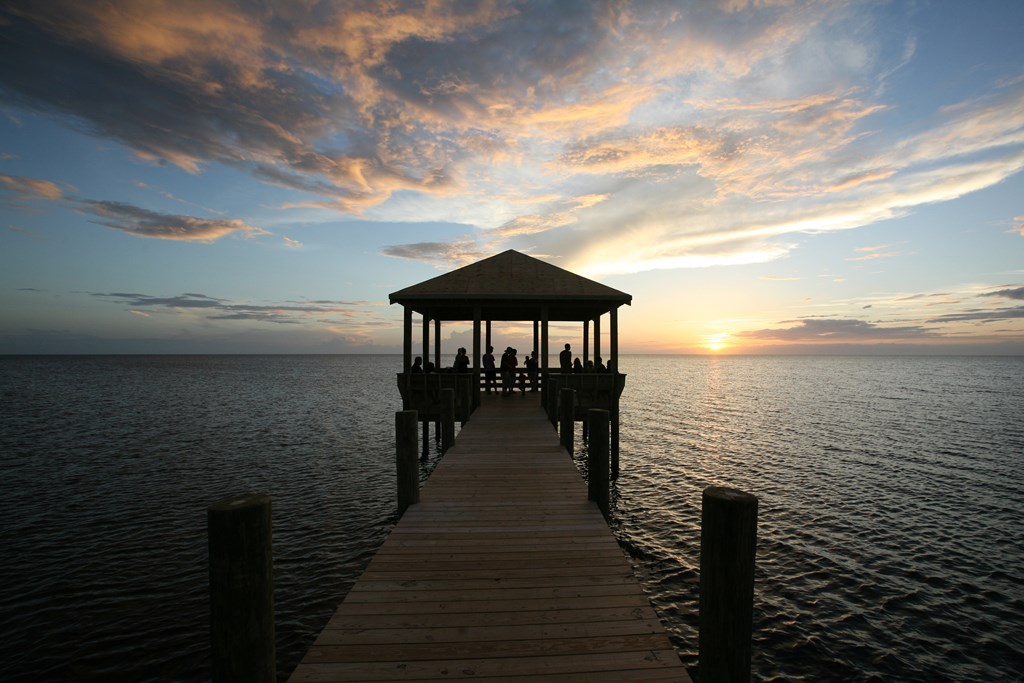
x=241 y=590
x=566 y=406
x=597 y=459
x=551 y=402
x=728 y=541
x=447 y=419
x=408 y=468
x=615 y=440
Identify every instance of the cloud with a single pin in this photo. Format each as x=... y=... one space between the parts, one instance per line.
x=354 y=313
x=1019 y=228
x=128 y=217
x=145 y=223
x=710 y=131
x=982 y=315
x=836 y=331
x=1010 y=293
x=777 y=278
x=563 y=213
x=30 y=188
x=354 y=100
x=443 y=255
x=874 y=256
x=290 y=243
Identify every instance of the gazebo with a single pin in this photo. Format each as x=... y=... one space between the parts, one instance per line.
x=512 y=286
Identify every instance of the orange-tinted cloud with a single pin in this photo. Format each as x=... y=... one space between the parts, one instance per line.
x=836 y=331
x=144 y=223
x=711 y=131
x=31 y=188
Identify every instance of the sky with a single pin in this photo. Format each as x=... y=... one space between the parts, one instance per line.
x=762 y=176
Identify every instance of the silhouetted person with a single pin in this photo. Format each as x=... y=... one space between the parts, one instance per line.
x=513 y=363
x=565 y=359
x=417 y=365
x=429 y=367
x=599 y=366
x=489 y=370
x=531 y=369
x=577 y=366
x=461 y=361
x=506 y=372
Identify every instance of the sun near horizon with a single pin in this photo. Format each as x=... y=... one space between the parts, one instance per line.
x=717 y=342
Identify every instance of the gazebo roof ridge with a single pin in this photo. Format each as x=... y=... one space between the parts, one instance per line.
x=507 y=278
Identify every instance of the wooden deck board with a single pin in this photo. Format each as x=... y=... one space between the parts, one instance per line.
x=504 y=571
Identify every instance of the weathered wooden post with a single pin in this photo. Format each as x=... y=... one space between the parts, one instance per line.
x=615 y=439
x=728 y=538
x=566 y=406
x=447 y=419
x=241 y=589
x=597 y=459
x=552 y=401
x=408 y=468
x=426 y=438
x=471 y=396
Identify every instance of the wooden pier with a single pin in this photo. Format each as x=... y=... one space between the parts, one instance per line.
x=503 y=571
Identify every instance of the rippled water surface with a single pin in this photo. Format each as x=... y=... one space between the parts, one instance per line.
x=890 y=538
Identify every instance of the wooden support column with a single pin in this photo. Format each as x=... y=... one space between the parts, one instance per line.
x=475 y=386
x=407 y=339
x=487 y=342
x=426 y=357
x=544 y=384
x=437 y=344
x=426 y=340
x=597 y=339
x=544 y=340
x=447 y=419
x=728 y=539
x=613 y=338
x=615 y=440
x=586 y=342
x=241 y=590
x=566 y=407
x=551 y=400
x=613 y=363
x=408 y=468
x=597 y=459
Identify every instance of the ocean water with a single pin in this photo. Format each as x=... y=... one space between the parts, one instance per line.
x=890 y=537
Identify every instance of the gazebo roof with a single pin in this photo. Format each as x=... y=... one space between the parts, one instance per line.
x=510 y=286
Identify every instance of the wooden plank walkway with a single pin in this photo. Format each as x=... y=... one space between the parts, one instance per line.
x=504 y=571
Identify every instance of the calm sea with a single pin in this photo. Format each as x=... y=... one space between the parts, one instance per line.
x=890 y=538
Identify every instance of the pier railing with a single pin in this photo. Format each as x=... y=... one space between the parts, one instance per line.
x=422 y=392
x=599 y=390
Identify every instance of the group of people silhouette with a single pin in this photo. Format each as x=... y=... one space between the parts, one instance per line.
x=508 y=366
x=566 y=363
